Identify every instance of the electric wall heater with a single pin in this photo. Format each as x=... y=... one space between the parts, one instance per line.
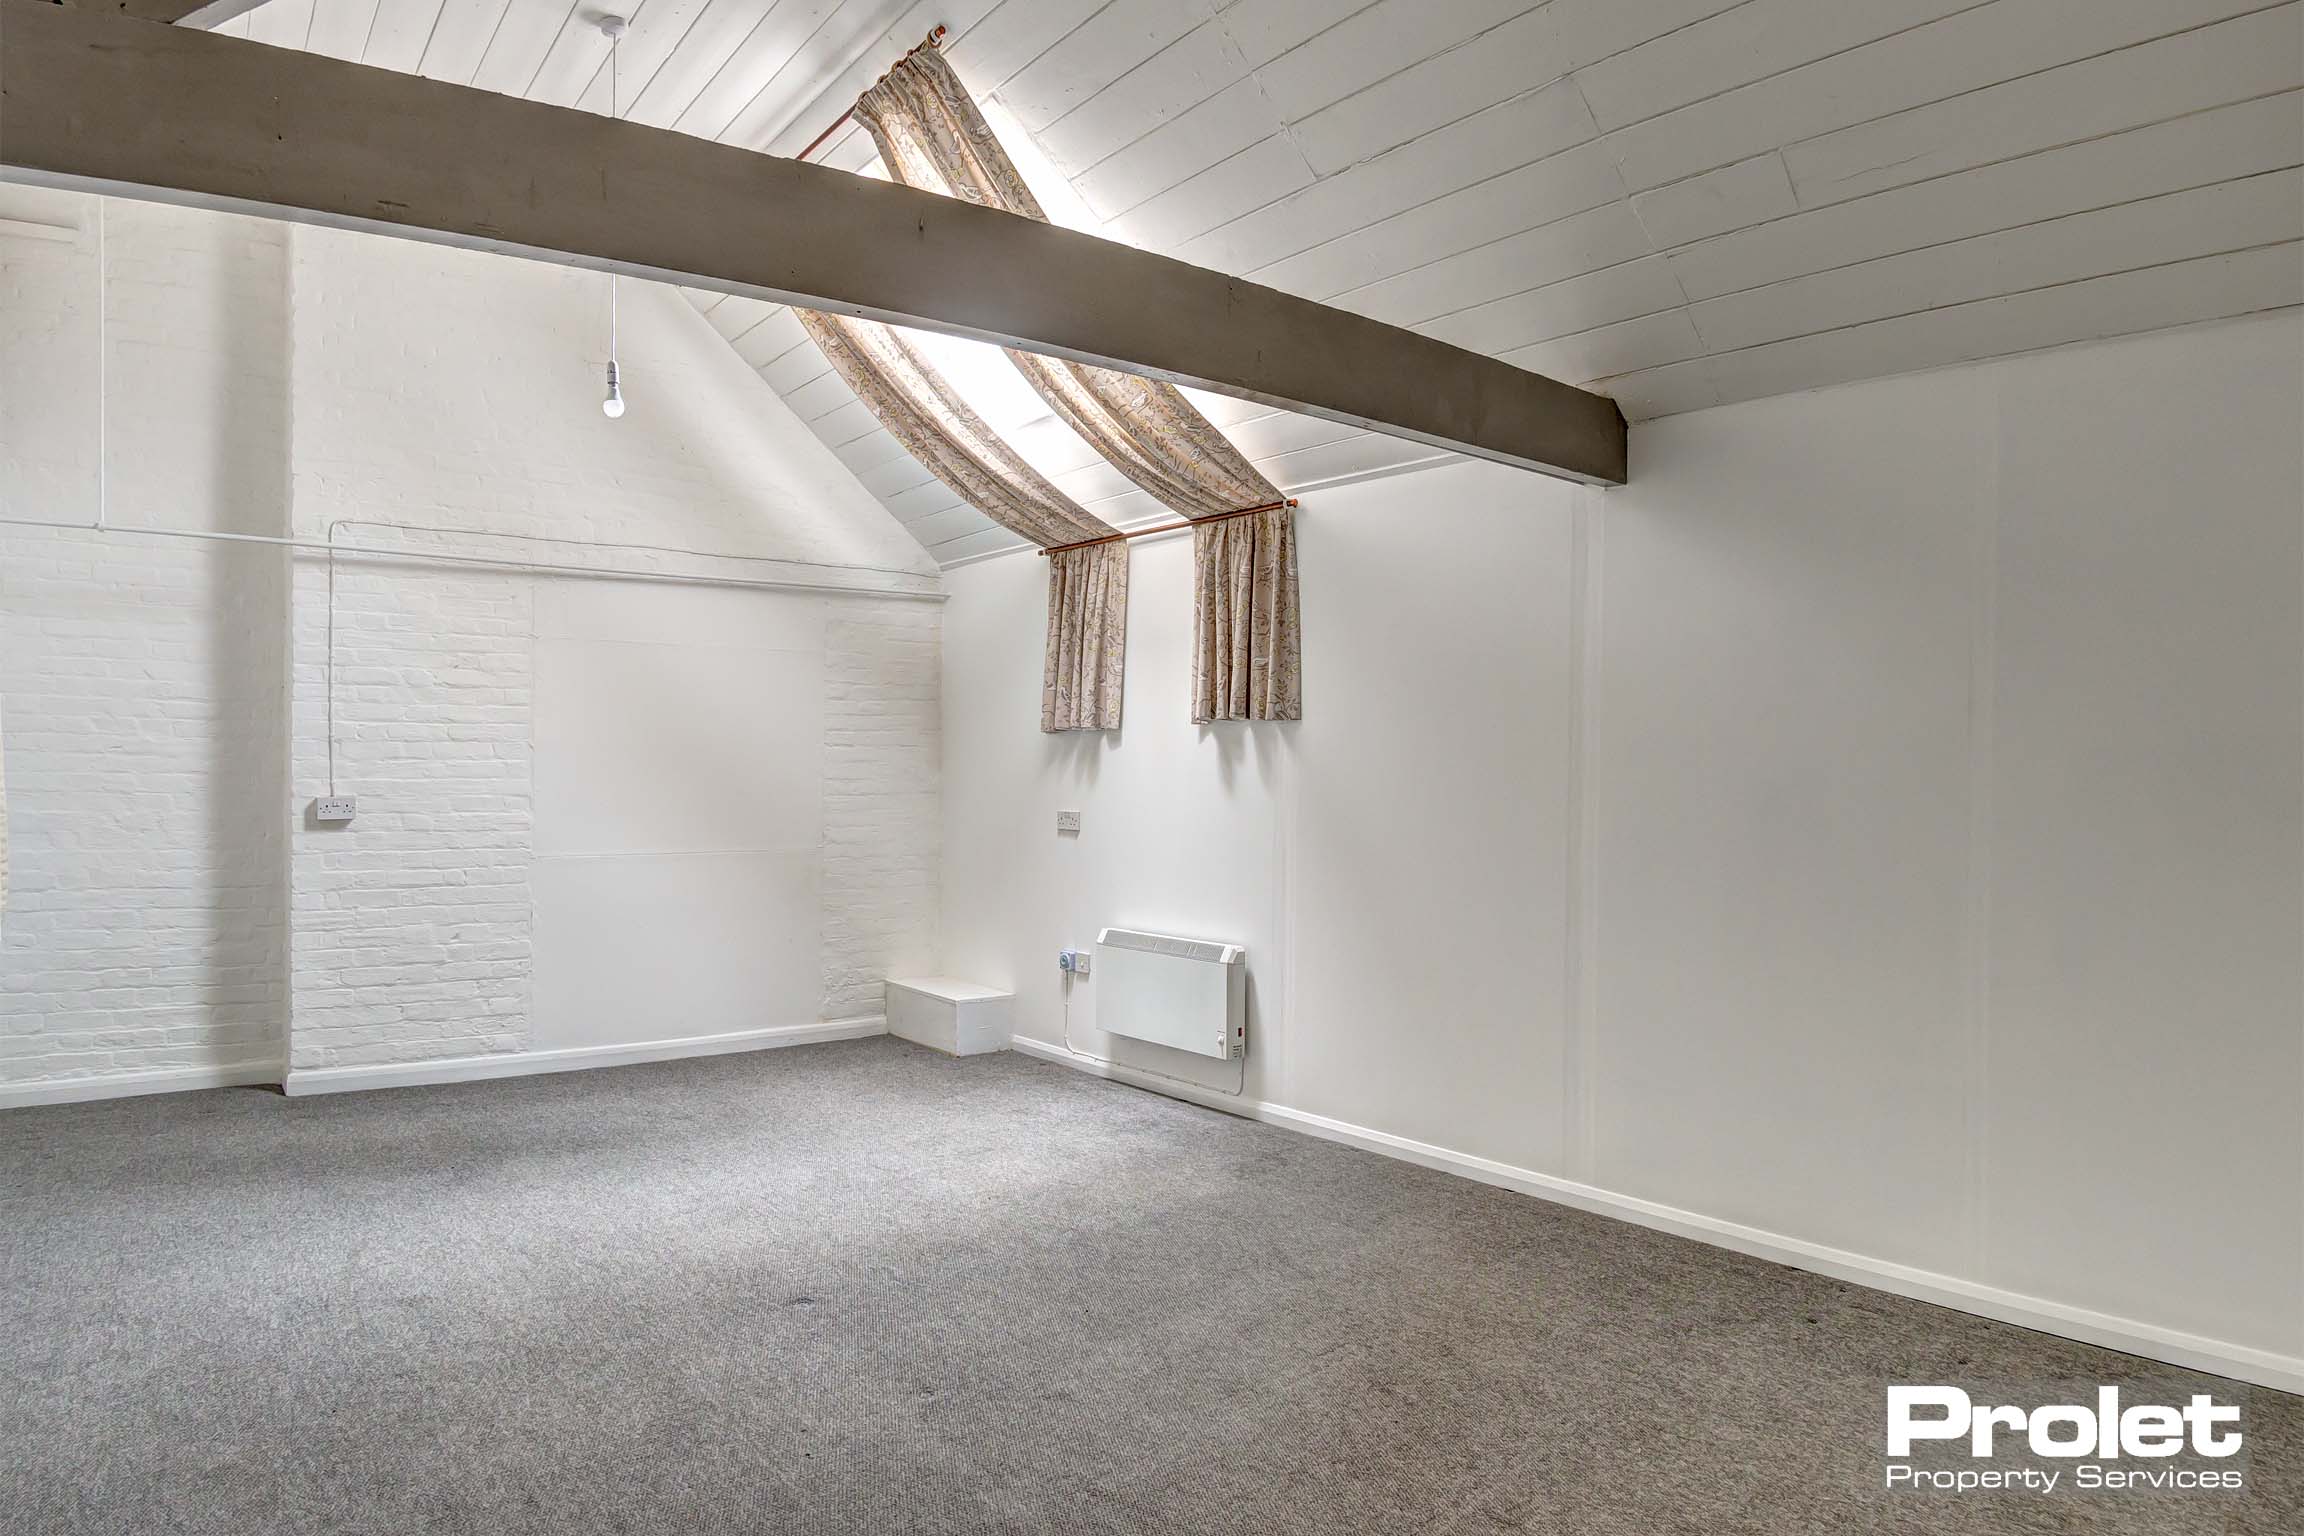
x=1191 y=994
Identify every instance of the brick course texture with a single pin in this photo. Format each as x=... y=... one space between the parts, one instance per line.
x=171 y=708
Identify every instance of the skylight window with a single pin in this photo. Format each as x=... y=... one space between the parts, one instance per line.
x=982 y=373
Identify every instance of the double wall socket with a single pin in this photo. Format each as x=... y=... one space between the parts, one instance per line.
x=332 y=810
x=1067 y=821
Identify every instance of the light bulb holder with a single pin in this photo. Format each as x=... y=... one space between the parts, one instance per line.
x=612 y=405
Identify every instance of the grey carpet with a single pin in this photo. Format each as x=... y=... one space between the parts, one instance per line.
x=862 y=1288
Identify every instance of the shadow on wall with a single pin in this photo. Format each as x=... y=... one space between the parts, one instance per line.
x=246 y=609
x=1081 y=753
x=1233 y=738
x=149 y=674
x=196 y=406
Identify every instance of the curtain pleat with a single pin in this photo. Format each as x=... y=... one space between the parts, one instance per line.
x=1087 y=637
x=1245 y=655
x=1088 y=588
x=936 y=426
x=1088 y=608
x=1149 y=432
x=931 y=135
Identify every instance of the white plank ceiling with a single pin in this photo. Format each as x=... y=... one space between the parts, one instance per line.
x=1679 y=203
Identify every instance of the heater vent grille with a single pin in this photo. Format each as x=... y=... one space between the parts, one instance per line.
x=1187 y=994
x=1207 y=951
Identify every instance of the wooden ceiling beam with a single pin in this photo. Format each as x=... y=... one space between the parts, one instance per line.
x=179 y=13
x=98 y=100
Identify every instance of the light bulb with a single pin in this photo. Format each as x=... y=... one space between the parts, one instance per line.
x=613 y=406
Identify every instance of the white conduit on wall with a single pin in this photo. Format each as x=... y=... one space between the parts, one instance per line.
x=103 y=374
x=104 y=525
x=540 y=567
x=332 y=549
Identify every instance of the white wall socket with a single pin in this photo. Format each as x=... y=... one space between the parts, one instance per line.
x=335 y=808
x=1067 y=821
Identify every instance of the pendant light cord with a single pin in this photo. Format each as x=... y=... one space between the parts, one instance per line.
x=615 y=41
x=613 y=28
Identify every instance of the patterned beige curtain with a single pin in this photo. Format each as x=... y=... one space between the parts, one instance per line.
x=1087 y=636
x=1244 y=619
x=932 y=136
x=1087 y=588
x=939 y=428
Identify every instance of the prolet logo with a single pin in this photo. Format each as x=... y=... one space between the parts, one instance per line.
x=2093 y=1436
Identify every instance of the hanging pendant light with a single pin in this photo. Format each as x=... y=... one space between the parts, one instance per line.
x=612 y=404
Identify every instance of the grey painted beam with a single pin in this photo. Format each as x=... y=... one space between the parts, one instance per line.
x=182 y=13
x=110 y=104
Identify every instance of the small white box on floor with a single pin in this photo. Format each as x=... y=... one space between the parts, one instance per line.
x=959 y=1018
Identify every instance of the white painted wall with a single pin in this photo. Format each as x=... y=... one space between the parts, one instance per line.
x=594 y=813
x=1881 y=825
x=591 y=813
x=142 y=683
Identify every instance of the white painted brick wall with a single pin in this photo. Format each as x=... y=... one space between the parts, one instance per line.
x=450 y=389
x=141 y=681
x=167 y=708
x=412 y=923
x=883 y=813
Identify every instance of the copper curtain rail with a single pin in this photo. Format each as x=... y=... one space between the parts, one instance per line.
x=846 y=117
x=1192 y=522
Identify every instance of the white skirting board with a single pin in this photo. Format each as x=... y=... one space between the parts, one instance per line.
x=461 y=1069
x=404 y=1074
x=80 y=1090
x=2262 y=1367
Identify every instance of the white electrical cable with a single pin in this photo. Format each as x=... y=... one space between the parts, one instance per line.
x=328 y=665
x=103 y=376
x=1239 y=1086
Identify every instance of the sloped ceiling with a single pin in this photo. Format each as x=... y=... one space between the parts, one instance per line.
x=1677 y=202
